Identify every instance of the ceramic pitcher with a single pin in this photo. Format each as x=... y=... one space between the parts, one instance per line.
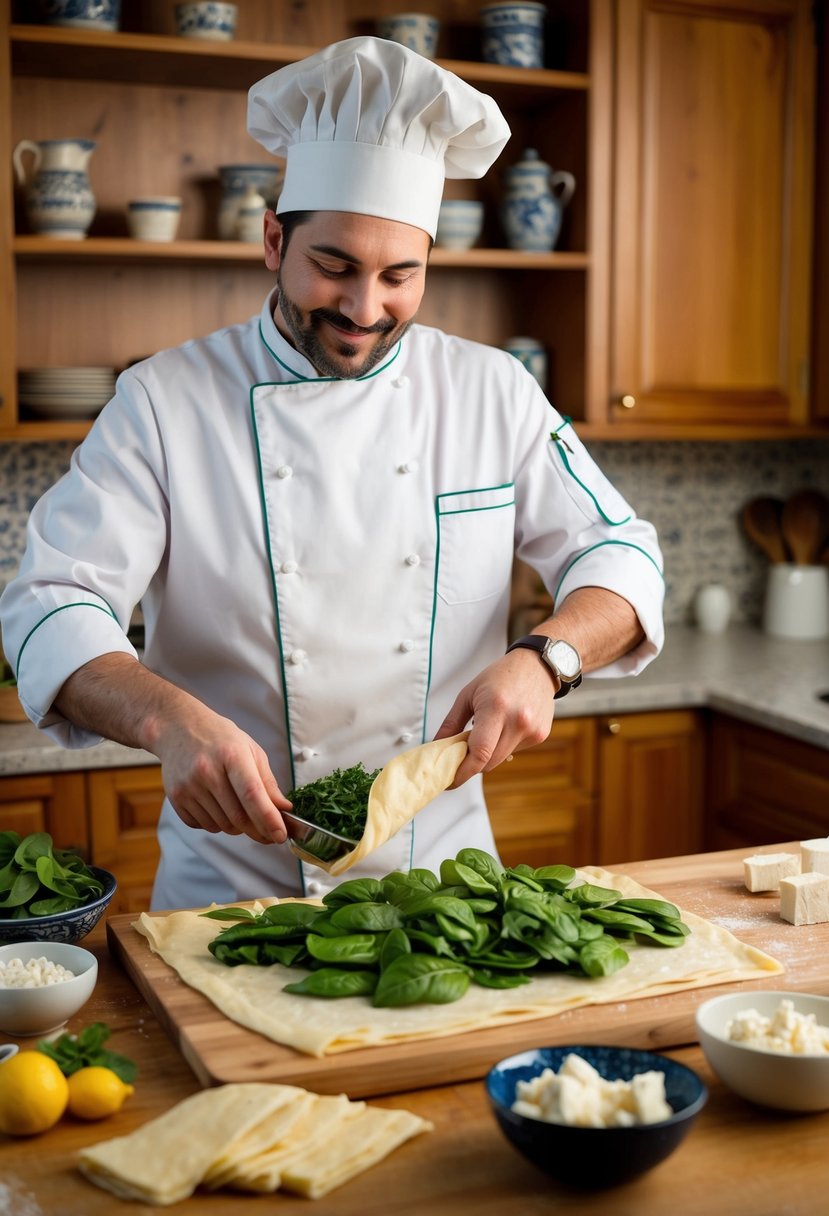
x=59 y=199
x=534 y=203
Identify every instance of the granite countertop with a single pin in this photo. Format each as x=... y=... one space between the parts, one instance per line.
x=744 y=673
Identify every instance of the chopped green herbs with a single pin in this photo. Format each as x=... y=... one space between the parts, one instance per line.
x=338 y=802
x=418 y=938
x=37 y=879
x=72 y=1052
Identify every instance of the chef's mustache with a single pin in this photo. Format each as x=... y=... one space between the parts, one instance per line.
x=337 y=318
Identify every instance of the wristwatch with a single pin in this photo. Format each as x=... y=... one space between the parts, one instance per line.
x=561 y=658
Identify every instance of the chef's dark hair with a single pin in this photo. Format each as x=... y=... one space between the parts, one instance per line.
x=289 y=221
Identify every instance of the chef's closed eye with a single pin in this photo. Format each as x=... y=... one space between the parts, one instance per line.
x=475 y=543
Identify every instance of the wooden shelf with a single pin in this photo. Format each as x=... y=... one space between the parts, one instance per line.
x=125 y=249
x=54 y=52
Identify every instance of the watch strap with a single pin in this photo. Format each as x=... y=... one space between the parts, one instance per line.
x=538 y=642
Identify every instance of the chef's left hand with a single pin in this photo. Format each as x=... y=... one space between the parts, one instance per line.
x=511 y=707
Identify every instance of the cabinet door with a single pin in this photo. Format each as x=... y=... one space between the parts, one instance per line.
x=542 y=804
x=651 y=782
x=712 y=212
x=124 y=805
x=46 y=802
x=764 y=787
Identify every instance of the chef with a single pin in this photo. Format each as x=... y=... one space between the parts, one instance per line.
x=318 y=511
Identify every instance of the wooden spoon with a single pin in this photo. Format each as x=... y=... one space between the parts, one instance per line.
x=761 y=519
x=805 y=525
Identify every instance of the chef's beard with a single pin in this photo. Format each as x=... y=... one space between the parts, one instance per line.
x=304 y=327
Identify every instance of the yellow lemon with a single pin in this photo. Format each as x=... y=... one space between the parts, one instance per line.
x=33 y=1094
x=95 y=1093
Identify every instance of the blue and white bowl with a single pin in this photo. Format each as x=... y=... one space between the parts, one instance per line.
x=595 y=1157
x=417 y=31
x=63 y=926
x=216 y=22
x=83 y=14
x=513 y=34
x=460 y=223
x=266 y=180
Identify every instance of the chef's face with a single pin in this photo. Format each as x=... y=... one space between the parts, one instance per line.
x=349 y=287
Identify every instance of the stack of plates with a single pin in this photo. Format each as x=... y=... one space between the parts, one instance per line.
x=66 y=392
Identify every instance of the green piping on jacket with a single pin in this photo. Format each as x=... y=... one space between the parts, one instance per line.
x=318 y=379
x=561 y=444
x=626 y=543
x=63 y=607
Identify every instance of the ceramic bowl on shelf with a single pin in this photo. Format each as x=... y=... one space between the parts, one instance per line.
x=153 y=217
x=215 y=22
x=460 y=223
x=102 y=15
x=595 y=1157
x=62 y=927
x=782 y=1080
x=39 y=1010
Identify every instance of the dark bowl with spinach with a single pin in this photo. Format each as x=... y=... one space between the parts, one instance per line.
x=48 y=894
x=591 y=1158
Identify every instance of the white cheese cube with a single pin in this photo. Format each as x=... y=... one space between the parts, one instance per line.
x=804 y=899
x=763 y=871
x=814 y=856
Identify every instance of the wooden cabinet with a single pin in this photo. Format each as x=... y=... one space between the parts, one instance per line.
x=763 y=787
x=124 y=805
x=47 y=802
x=652 y=785
x=603 y=790
x=712 y=215
x=165 y=112
x=542 y=803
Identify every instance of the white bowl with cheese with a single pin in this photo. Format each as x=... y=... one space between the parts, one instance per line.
x=42 y=985
x=770 y=1047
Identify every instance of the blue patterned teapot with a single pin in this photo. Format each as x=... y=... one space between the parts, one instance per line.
x=534 y=203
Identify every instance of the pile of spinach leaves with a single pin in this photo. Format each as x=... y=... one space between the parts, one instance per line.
x=338 y=803
x=37 y=879
x=415 y=938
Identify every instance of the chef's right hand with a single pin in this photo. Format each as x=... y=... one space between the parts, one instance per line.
x=218 y=779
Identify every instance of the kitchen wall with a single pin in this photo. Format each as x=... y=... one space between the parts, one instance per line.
x=691 y=491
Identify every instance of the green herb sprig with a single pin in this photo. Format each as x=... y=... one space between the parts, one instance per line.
x=417 y=938
x=86 y=1050
x=37 y=879
x=338 y=803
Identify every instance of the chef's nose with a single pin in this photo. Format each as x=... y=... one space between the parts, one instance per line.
x=361 y=302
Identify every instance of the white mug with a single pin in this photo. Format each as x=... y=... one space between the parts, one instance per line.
x=712 y=608
x=797 y=602
x=154 y=218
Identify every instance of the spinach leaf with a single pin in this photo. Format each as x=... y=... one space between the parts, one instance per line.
x=602 y=957
x=38 y=880
x=332 y=982
x=421 y=979
x=352 y=948
x=369 y=917
x=356 y=891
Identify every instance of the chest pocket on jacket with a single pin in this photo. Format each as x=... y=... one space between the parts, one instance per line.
x=475 y=543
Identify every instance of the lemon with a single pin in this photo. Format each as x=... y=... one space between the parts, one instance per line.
x=33 y=1094
x=95 y=1092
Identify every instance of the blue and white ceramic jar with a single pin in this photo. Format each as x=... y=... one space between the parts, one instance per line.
x=534 y=202
x=418 y=31
x=101 y=15
x=236 y=180
x=204 y=19
x=513 y=34
x=531 y=353
x=59 y=198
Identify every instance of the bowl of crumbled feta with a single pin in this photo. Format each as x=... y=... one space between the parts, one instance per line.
x=42 y=985
x=771 y=1048
x=594 y=1116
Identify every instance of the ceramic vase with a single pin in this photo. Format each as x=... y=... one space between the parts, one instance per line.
x=59 y=198
x=534 y=202
x=513 y=33
x=236 y=180
x=532 y=354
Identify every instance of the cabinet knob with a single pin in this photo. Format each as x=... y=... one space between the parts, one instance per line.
x=628 y=401
x=614 y=726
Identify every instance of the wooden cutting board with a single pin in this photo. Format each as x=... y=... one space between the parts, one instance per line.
x=711 y=885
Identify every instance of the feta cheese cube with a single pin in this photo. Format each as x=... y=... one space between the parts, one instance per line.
x=763 y=871
x=804 y=899
x=814 y=856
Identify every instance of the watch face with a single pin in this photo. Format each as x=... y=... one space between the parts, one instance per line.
x=566 y=659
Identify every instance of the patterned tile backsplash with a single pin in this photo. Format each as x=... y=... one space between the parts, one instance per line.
x=692 y=492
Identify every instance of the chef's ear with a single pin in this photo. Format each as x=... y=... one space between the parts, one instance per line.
x=273 y=240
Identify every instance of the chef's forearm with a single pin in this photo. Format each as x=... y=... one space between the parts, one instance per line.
x=599 y=623
x=117 y=697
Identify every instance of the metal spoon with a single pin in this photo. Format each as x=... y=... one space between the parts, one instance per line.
x=761 y=519
x=312 y=843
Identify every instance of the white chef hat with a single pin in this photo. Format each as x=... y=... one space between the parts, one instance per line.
x=369 y=126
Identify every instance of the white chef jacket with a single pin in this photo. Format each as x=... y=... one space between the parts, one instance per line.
x=325 y=562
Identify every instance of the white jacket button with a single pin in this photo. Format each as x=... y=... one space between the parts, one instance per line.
x=289 y=567
x=297 y=656
x=408 y=466
x=307 y=753
x=314 y=887
x=406 y=737
x=406 y=645
x=284 y=470
x=413 y=560
x=400 y=382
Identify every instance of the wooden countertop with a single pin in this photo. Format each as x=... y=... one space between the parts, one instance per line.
x=737 y=1159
